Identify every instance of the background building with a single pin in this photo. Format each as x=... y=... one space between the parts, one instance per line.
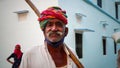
x=91 y=26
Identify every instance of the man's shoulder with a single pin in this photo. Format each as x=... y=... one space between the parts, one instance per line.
x=34 y=49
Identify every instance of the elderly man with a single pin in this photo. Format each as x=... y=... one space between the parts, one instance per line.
x=53 y=53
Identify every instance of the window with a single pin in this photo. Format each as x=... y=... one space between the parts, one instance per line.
x=22 y=15
x=116 y=9
x=104 y=45
x=78 y=42
x=115 y=49
x=99 y=3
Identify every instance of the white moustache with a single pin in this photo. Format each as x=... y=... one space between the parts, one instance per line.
x=51 y=32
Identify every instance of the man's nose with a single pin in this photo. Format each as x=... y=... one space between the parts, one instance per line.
x=54 y=28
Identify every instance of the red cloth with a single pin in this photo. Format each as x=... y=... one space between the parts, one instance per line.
x=18 y=52
x=53 y=12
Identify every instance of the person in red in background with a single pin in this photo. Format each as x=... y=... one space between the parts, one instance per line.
x=16 y=55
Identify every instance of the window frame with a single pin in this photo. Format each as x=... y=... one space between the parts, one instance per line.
x=79 y=45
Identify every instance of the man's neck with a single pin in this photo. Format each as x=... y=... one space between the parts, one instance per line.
x=55 y=49
x=54 y=44
x=58 y=54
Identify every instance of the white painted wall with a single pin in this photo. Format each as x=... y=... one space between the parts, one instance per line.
x=92 y=41
x=107 y=5
x=15 y=30
x=119 y=12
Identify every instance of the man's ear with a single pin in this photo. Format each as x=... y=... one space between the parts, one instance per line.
x=66 y=31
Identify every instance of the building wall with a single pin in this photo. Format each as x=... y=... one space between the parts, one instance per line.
x=119 y=13
x=92 y=41
x=109 y=7
x=19 y=28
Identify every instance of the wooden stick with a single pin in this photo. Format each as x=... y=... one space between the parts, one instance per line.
x=33 y=7
x=73 y=57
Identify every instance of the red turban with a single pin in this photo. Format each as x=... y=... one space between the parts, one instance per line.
x=52 y=12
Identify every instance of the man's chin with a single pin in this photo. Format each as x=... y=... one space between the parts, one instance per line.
x=54 y=41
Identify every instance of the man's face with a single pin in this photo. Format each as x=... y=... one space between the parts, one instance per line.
x=54 y=30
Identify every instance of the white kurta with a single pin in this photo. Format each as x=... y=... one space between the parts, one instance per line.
x=39 y=57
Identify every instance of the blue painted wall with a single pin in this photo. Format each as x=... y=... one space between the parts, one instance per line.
x=92 y=41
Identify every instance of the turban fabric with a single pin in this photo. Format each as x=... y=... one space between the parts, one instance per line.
x=50 y=13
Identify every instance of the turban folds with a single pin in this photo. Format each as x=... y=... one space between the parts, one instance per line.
x=50 y=13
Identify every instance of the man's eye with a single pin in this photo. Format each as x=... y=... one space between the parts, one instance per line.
x=49 y=24
x=59 y=24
